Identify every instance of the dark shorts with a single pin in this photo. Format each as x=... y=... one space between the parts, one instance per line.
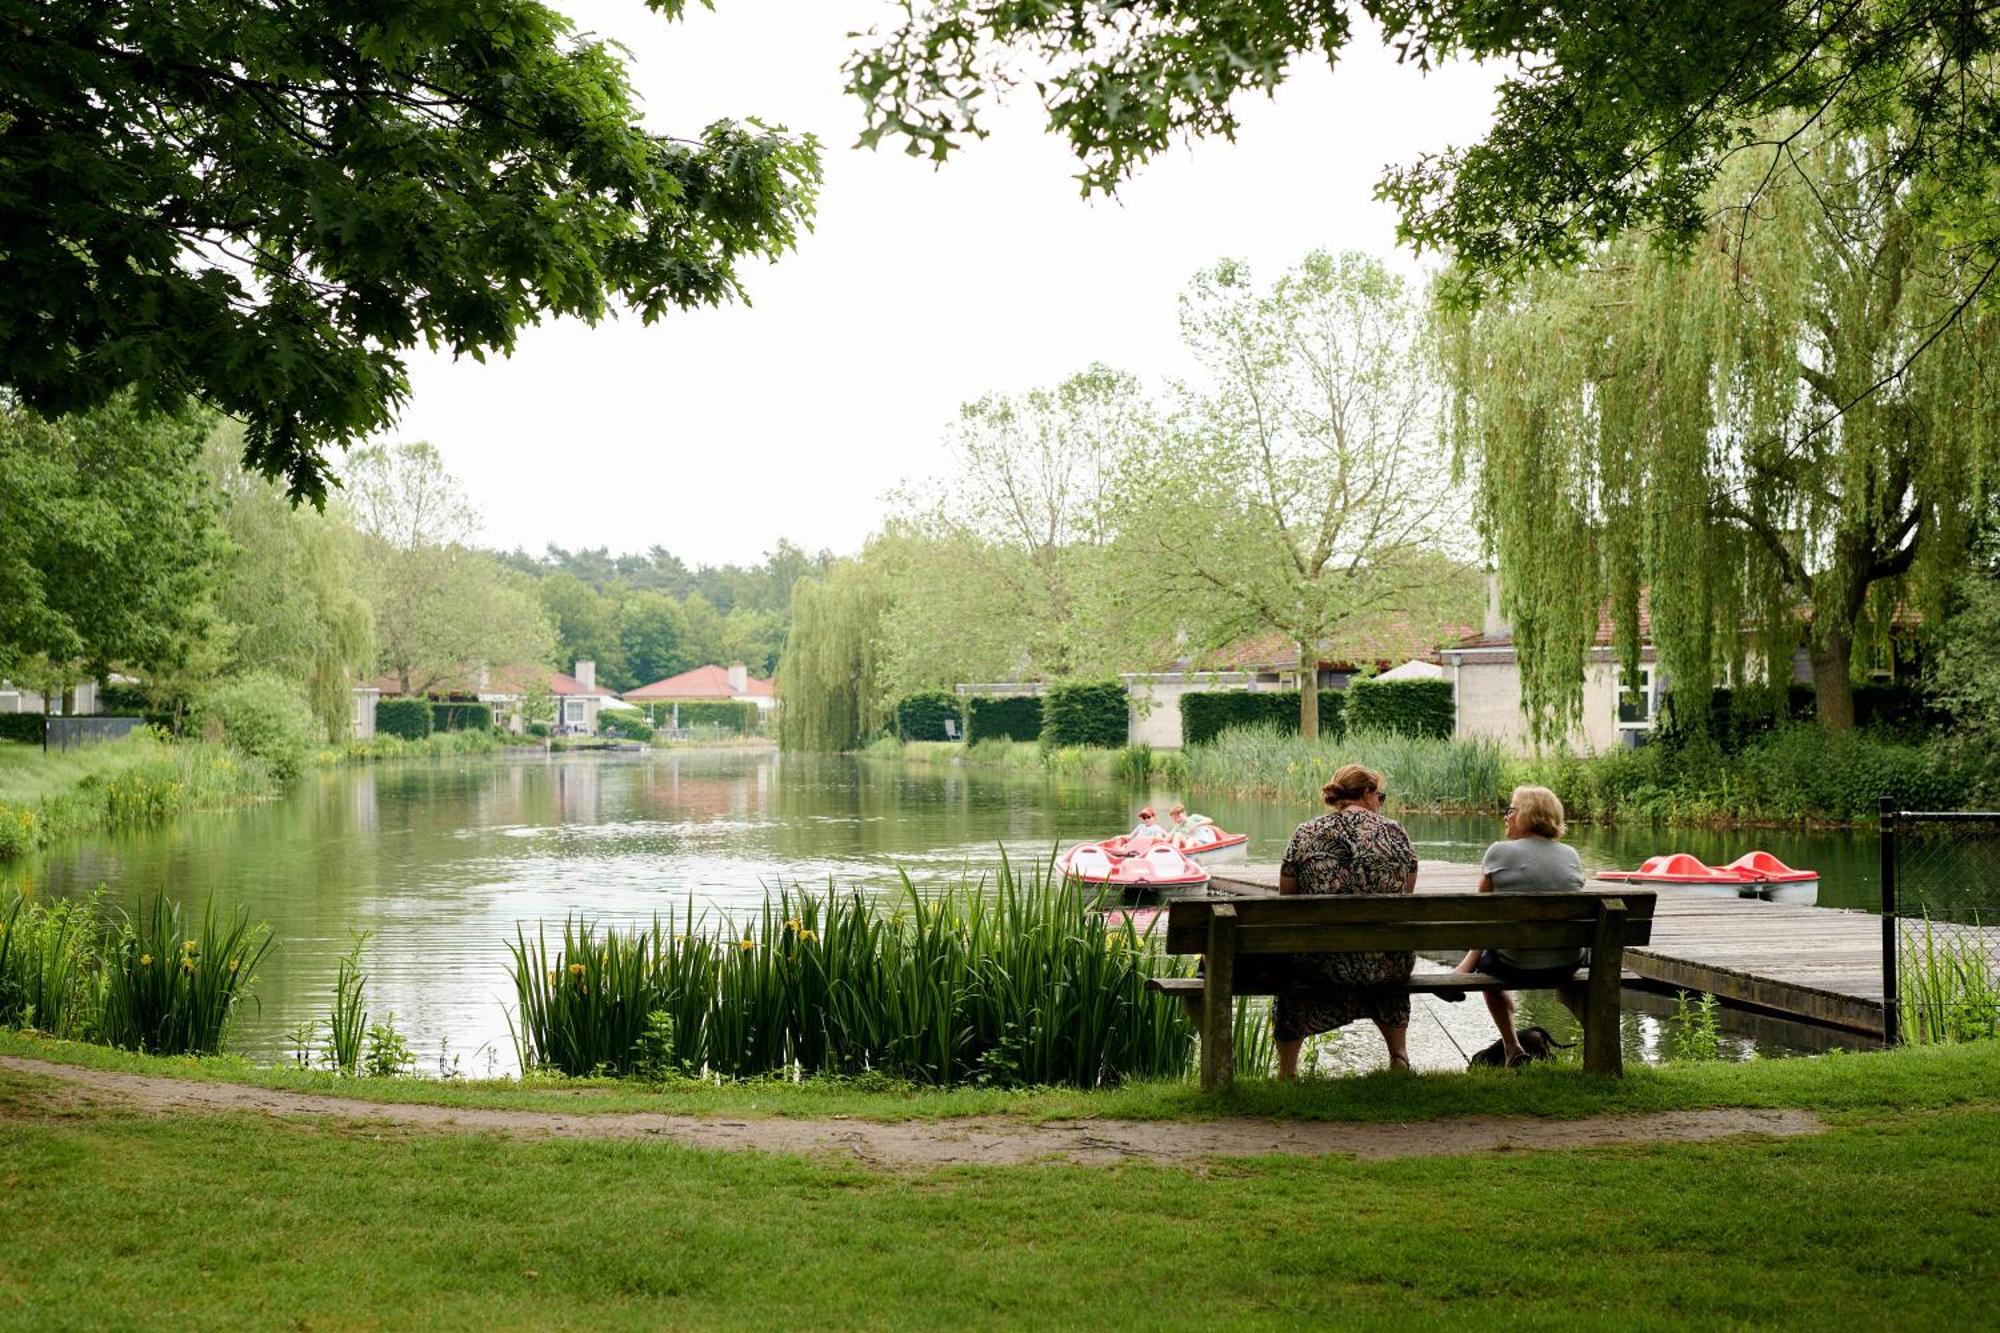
x=1530 y=978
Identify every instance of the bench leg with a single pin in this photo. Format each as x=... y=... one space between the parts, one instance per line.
x=1602 y=1050
x=1218 y=1001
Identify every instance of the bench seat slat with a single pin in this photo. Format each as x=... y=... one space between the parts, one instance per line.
x=1187 y=919
x=1424 y=983
x=1462 y=934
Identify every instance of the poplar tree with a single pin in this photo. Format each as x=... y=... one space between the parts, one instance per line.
x=1782 y=439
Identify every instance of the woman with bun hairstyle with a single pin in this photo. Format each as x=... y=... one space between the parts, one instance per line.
x=1352 y=849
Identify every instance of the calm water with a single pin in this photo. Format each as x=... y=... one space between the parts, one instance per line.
x=441 y=860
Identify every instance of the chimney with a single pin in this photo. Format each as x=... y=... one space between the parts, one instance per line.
x=739 y=679
x=1497 y=626
x=586 y=673
x=485 y=679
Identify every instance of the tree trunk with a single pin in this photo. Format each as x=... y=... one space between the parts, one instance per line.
x=1309 y=692
x=1833 y=688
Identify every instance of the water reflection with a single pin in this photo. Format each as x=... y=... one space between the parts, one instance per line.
x=440 y=861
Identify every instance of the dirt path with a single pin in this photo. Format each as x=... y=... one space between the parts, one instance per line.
x=983 y=1140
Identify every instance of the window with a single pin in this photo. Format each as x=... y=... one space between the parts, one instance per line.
x=1635 y=714
x=573 y=712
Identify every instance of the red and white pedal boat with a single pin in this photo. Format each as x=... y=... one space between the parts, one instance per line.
x=1132 y=863
x=1752 y=875
x=1209 y=845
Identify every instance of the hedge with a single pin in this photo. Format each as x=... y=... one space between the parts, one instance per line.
x=1405 y=707
x=408 y=718
x=922 y=716
x=1206 y=714
x=22 y=727
x=1738 y=718
x=1014 y=717
x=733 y=715
x=456 y=717
x=627 y=726
x=1094 y=713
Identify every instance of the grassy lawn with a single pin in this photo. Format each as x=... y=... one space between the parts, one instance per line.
x=1891 y=1218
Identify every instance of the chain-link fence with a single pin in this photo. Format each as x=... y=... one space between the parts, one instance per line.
x=1940 y=924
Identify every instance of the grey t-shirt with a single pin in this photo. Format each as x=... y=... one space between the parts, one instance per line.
x=1534 y=864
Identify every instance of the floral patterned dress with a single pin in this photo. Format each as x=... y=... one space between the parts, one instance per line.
x=1346 y=851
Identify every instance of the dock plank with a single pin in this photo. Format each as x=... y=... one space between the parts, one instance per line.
x=1819 y=965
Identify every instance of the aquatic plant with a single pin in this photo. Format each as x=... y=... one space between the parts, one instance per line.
x=1948 y=987
x=1697 y=1030
x=170 y=987
x=48 y=964
x=1016 y=984
x=1423 y=772
x=349 y=1018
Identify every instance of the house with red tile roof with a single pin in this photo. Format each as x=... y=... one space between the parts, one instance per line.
x=707 y=684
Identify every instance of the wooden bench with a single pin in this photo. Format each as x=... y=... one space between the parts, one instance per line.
x=1243 y=943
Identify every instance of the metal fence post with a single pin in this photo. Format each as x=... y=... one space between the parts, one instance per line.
x=1891 y=933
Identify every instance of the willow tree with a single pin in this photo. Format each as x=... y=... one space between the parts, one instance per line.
x=1745 y=438
x=827 y=686
x=1304 y=489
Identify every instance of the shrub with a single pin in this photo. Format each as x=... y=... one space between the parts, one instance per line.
x=736 y=716
x=539 y=729
x=1016 y=717
x=1092 y=713
x=454 y=717
x=1206 y=714
x=28 y=727
x=922 y=716
x=404 y=717
x=1405 y=707
x=628 y=726
x=262 y=716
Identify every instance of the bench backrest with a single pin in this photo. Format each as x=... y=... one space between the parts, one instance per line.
x=1307 y=923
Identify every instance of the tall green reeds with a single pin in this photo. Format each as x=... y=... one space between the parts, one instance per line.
x=48 y=965
x=1017 y=985
x=1949 y=988
x=1459 y=773
x=170 y=986
x=348 y=1020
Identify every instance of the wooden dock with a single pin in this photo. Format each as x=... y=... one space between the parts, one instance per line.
x=1817 y=965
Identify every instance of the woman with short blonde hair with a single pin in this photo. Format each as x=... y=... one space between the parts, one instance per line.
x=1530 y=859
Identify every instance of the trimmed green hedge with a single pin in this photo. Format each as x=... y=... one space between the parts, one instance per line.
x=27 y=727
x=921 y=716
x=1014 y=717
x=626 y=726
x=1405 y=707
x=408 y=718
x=1207 y=714
x=1093 y=713
x=729 y=714
x=457 y=717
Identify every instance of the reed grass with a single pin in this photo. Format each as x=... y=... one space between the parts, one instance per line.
x=127 y=783
x=48 y=965
x=348 y=1020
x=170 y=986
x=1019 y=985
x=1949 y=990
x=1460 y=774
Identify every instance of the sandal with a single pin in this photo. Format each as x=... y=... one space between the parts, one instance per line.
x=1450 y=996
x=1520 y=1060
x=1401 y=1062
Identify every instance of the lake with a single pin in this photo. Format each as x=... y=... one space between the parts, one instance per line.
x=440 y=860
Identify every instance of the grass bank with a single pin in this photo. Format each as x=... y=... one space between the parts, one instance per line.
x=118 y=1218
x=438 y=745
x=127 y=783
x=1796 y=775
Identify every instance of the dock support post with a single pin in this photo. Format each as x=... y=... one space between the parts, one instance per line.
x=1602 y=1051
x=1218 y=1001
x=1892 y=1000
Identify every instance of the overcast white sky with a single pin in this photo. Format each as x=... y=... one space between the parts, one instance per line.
x=717 y=432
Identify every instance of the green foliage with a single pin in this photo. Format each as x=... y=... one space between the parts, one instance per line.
x=25 y=727
x=922 y=716
x=624 y=725
x=1206 y=714
x=735 y=716
x=171 y=987
x=261 y=716
x=129 y=783
x=457 y=717
x=539 y=730
x=48 y=964
x=1014 y=717
x=1950 y=988
x=388 y=1055
x=1422 y=772
x=349 y=1017
x=1014 y=985
x=1086 y=713
x=243 y=246
x=1697 y=1030
x=1411 y=707
x=107 y=535
x=409 y=719
x=1600 y=125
